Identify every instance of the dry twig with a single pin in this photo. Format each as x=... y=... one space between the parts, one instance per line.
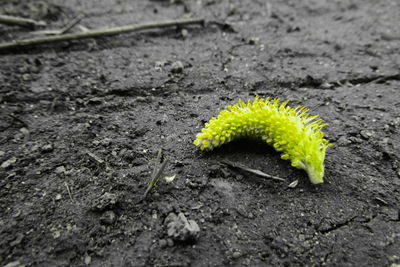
x=69 y=191
x=253 y=171
x=155 y=177
x=65 y=29
x=97 y=33
x=18 y=120
x=30 y=23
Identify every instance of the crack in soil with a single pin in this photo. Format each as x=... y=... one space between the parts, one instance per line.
x=317 y=83
x=337 y=226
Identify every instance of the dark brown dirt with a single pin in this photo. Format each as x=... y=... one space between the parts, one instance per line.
x=82 y=122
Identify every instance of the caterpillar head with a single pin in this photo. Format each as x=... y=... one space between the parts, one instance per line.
x=313 y=164
x=315 y=172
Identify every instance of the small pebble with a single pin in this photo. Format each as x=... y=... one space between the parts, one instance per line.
x=343 y=141
x=253 y=40
x=96 y=142
x=106 y=201
x=160 y=64
x=60 y=169
x=177 y=67
x=47 y=148
x=386 y=128
x=354 y=139
x=108 y=217
x=88 y=259
x=236 y=254
x=179 y=228
x=141 y=99
x=56 y=234
x=170 y=242
x=26 y=77
x=326 y=85
x=184 y=33
x=192 y=184
x=366 y=134
x=8 y=163
x=105 y=142
x=162 y=243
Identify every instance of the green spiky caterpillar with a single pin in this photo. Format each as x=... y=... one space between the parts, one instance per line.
x=291 y=131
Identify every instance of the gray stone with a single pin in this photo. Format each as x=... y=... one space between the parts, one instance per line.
x=366 y=134
x=26 y=77
x=177 y=67
x=179 y=228
x=236 y=254
x=8 y=163
x=343 y=141
x=162 y=243
x=108 y=217
x=106 y=201
x=47 y=148
x=170 y=242
x=184 y=33
x=60 y=169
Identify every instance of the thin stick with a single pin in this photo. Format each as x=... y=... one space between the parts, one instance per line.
x=53 y=105
x=98 y=33
x=70 y=25
x=157 y=161
x=155 y=178
x=69 y=191
x=253 y=171
x=93 y=156
x=65 y=29
x=30 y=23
x=19 y=120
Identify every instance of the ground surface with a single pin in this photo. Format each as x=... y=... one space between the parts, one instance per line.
x=82 y=122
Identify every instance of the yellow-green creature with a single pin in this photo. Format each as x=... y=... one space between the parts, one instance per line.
x=291 y=131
